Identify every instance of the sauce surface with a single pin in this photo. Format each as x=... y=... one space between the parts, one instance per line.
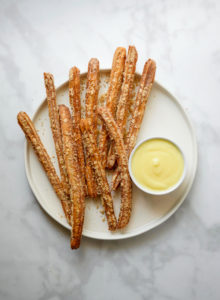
x=157 y=164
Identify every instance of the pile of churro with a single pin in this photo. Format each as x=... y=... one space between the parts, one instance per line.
x=85 y=150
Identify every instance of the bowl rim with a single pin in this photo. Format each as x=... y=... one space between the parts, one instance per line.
x=155 y=192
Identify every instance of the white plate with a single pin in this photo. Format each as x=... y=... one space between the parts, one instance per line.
x=164 y=117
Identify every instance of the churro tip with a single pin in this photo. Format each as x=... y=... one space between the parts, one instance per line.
x=151 y=61
x=47 y=75
x=73 y=71
x=62 y=106
x=120 y=49
x=20 y=114
x=93 y=60
x=74 y=245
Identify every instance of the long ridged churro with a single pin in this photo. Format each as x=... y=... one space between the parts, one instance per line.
x=122 y=107
x=72 y=166
x=31 y=134
x=93 y=154
x=115 y=83
x=126 y=196
x=75 y=103
x=146 y=82
x=92 y=89
x=55 y=127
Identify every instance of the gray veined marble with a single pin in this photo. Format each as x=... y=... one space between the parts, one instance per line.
x=177 y=261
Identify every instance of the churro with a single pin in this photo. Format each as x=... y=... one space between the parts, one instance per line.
x=55 y=127
x=72 y=167
x=115 y=83
x=75 y=103
x=122 y=107
x=92 y=89
x=126 y=191
x=144 y=90
x=31 y=134
x=93 y=154
x=146 y=83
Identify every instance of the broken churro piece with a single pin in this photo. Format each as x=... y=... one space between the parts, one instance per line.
x=55 y=127
x=31 y=134
x=115 y=83
x=93 y=154
x=72 y=167
x=126 y=192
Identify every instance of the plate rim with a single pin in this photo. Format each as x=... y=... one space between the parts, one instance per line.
x=142 y=229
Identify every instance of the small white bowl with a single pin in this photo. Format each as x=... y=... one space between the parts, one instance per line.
x=154 y=192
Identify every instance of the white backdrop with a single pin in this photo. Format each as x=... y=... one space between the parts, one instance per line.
x=178 y=260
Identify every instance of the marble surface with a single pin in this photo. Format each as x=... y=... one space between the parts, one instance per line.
x=176 y=261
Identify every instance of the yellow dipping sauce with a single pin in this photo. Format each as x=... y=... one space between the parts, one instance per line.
x=157 y=164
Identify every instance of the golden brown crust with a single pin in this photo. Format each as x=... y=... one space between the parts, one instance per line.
x=92 y=90
x=55 y=127
x=75 y=103
x=31 y=134
x=126 y=193
x=116 y=179
x=72 y=166
x=116 y=77
x=90 y=179
x=146 y=82
x=122 y=107
x=74 y=94
x=115 y=83
x=93 y=154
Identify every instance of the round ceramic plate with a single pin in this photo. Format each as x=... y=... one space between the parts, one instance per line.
x=164 y=117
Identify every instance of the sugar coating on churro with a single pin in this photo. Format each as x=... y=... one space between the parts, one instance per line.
x=115 y=83
x=126 y=192
x=55 y=127
x=92 y=89
x=146 y=83
x=91 y=148
x=31 y=134
x=123 y=103
x=72 y=166
x=75 y=104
